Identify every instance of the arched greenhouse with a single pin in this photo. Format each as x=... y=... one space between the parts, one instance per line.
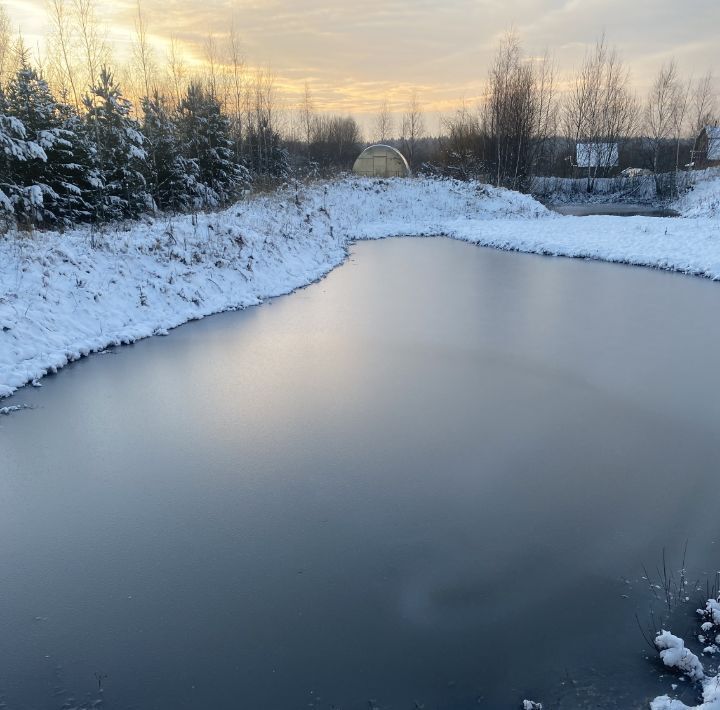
x=381 y=161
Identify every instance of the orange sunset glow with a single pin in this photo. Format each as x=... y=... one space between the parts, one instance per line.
x=353 y=56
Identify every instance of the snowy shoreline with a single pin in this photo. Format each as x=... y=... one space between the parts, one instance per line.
x=61 y=299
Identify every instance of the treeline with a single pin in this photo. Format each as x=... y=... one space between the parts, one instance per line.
x=60 y=167
x=74 y=147
x=525 y=127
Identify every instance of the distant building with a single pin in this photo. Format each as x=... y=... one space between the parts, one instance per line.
x=381 y=161
x=706 y=153
x=597 y=155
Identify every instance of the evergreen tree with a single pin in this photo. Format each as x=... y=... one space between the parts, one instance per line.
x=63 y=179
x=17 y=197
x=119 y=152
x=81 y=178
x=172 y=178
x=204 y=133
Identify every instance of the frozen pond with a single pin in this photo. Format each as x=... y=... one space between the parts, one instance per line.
x=421 y=480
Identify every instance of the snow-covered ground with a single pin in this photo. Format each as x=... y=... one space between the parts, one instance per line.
x=703 y=197
x=61 y=298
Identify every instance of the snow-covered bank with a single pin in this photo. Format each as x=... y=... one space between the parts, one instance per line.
x=702 y=199
x=61 y=299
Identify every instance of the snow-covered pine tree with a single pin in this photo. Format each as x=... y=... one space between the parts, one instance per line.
x=119 y=152
x=204 y=133
x=82 y=181
x=171 y=177
x=64 y=177
x=17 y=199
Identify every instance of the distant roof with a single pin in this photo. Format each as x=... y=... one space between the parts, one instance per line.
x=381 y=160
x=597 y=155
x=378 y=148
x=713 y=136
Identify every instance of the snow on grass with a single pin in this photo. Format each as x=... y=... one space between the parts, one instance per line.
x=61 y=299
x=703 y=197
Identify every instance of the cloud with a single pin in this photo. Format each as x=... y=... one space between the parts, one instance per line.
x=354 y=53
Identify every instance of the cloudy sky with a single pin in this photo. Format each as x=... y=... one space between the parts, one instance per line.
x=355 y=52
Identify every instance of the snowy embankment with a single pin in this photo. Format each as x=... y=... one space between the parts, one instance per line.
x=60 y=298
x=703 y=197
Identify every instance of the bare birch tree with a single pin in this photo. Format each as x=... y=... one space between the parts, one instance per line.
x=12 y=48
x=307 y=117
x=660 y=111
x=237 y=89
x=680 y=119
x=143 y=55
x=6 y=44
x=93 y=47
x=703 y=104
x=463 y=145
x=177 y=70
x=262 y=132
x=212 y=61
x=665 y=115
x=384 y=123
x=545 y=108
x=413 y=127
x=519 y=113
x=63 y=62
x=600 y=109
